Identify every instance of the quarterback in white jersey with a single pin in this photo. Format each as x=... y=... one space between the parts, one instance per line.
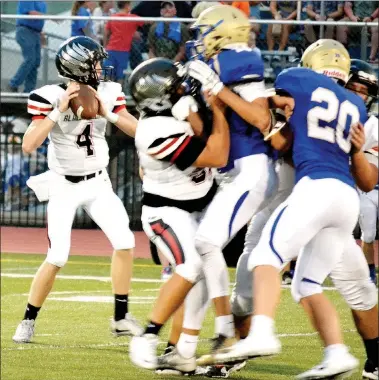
x=178 y=185
x=77 y=176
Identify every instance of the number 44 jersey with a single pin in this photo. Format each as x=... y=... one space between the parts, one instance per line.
x=77 y=146
x=321 y=121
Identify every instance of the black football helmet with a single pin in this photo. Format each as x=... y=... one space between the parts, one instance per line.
x=156 y=86
x=361 y=72
x=76 y=59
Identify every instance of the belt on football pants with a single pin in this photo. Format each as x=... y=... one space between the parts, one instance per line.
x=80 y=178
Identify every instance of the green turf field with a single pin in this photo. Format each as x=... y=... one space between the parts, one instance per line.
x=73 y=341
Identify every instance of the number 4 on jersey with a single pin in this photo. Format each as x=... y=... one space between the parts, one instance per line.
x=84 y=140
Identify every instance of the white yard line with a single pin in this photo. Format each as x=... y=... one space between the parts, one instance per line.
x=75 y=277
x=30 y=346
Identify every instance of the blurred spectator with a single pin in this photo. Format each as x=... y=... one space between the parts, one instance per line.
x=28 y=36
x=83 y=27
x=167 y=39
x=241 y=5
x=255 y=14
x=281 y=10
x=105 y=8
x=333 y=11
x=153 y=9
x=361 y=11
x=118 y=39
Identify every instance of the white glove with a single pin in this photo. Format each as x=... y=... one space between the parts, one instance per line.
x=205 y=75
x=182 y=108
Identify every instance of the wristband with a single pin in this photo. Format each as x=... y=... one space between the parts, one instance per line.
x=112 y=117
x=54 y=115
x=217 y=88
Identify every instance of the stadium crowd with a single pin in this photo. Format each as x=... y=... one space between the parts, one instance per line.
x=126 y=42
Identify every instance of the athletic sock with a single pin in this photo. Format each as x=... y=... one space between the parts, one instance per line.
x=153 y=328
x=187 y=345
x=261 y=324
x=31 y=311
x=120 y=306
x=372 y=270
x=371 y=346
x=225 y=326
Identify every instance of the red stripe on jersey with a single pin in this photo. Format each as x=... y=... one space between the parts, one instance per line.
x=120 y=98
x=180 y=149
x=119 y=108
x=376 y=148
x=174 y=140
x=38 y=117
x=39 y=109
x=170 y=239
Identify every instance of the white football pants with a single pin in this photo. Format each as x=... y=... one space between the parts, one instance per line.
x=369 y=214
x=97 y=198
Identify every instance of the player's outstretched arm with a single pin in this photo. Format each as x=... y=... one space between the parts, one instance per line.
x=39 y=129
x=122 y=119
x=364 y=172
x=216 y=152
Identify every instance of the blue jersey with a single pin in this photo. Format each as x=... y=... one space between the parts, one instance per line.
x=324 y=112
x=242 y=71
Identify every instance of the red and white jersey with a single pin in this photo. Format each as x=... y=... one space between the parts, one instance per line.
x=77 y=146
x=167 y=149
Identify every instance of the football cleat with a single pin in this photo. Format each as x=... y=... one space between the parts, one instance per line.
x=370 y=372
x=249 y=348
x=223 y=371
x=219 y=343
x=340 y=367
x=128 y=326
x=25 y=331
x=143 y=351
x=172 y=363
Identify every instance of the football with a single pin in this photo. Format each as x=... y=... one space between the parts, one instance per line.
x=85 y=105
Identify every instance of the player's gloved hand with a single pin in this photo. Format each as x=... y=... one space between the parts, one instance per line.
x=71 y=92
x=205 y=75
x=183 y=107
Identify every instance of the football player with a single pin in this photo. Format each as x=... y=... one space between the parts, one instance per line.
x=231 y=70
x=364 y=82
x=178 y=185
x=350 y=275
x=314 y=217
x=77 y=176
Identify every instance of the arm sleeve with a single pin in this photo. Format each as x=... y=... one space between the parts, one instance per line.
x=287 y=84
x=120 y=103
x=38 y=106
x=180 y=149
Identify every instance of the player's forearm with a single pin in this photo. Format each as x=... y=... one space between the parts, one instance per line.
x=256 y=113
x=197 y=124
x=126 y=123
x=364 y=173
x=216 y=152
x=36 y=134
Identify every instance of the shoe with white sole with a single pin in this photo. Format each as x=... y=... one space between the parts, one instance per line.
x=25 y=331
x=128 y=326
x=370 y=371
x=143 y=351
x=223 y=371
x=251 y=347
x=336 y=366
x=173 y=363
x=219 y=343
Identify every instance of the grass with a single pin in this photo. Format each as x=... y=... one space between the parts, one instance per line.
x=73 y=341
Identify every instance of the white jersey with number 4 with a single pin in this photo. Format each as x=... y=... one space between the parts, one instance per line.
x=77 y=146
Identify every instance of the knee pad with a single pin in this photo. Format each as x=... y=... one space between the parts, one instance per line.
x=242 y=306
x=214 y=268
x=59 y=259
x=190 y=271
x=359 y=294
x=301 y=289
